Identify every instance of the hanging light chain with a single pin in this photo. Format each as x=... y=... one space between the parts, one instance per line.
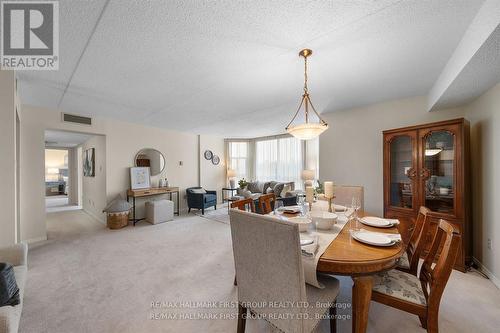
x=305 y=75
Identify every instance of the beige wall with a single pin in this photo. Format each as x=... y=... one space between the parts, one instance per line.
x=213 y=177
x=94 y=188
x=351 y=149
x=8 y=153
x=484 y=115
x=73 y=176
x=122 y=141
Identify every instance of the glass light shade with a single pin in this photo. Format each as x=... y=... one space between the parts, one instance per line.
x=307 y=131
x=432 y=151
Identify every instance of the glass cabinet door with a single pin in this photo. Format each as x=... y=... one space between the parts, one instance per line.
x=402 y=172
x=438 y=171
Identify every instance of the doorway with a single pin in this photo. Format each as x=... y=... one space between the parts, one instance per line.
x=57 y=180
x=63 y=170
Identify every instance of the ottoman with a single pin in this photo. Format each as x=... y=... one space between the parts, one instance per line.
x=159 y=211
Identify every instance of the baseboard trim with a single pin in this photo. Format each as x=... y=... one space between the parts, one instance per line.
x=36 y=240
x=89 y=213
x=487 y=272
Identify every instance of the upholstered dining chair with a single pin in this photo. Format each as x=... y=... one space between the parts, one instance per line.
x=409 y=260
x=421 y=296
x=345 y=193
x=266 y=203
x=244 y=204
x=268 y=261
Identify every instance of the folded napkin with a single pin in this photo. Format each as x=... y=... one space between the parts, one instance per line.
x=395 y=237
x=393 y=221
x=310 y=250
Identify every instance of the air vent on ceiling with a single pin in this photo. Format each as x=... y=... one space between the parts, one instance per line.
x=72 y=118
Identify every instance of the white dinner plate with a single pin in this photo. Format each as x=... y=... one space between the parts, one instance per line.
x=289 y=209
x=372 y=238
x=306 y=241
x=377 y=222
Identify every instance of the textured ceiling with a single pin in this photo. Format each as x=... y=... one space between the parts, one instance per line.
x=231 y=68
x=64 y=139
x=481 y=73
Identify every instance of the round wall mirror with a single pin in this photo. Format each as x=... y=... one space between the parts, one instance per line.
x=151 y=158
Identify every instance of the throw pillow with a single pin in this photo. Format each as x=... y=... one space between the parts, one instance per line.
x=266 y=186
x=247 y=194
x=287 y=188
x=269 y=190
x=278 y=188
x=9 y=292
x=254 y=187
x=199 y=191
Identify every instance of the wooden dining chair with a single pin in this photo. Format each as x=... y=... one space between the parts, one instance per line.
x=409 y=260
x=244 y=204
x=266 y=203
x=421 y=296
x=268 y=261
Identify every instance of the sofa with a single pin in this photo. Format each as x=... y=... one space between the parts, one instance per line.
x=199 y=198
x=284 y=191
x=17 y=256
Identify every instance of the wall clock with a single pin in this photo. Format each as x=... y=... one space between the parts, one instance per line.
x=208 y=154
x=215 y=160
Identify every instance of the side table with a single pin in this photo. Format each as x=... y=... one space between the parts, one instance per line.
x=230 y=190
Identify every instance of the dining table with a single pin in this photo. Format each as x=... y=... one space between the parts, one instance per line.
x=349 y=257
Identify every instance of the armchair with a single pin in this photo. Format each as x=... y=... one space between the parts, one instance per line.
x=199 y=198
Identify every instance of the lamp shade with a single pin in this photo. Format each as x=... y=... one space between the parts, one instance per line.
x=231 y=173
x=308 y=174
x=307 y=131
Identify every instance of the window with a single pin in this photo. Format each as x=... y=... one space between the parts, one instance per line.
x=238 y=158
x=279 y=159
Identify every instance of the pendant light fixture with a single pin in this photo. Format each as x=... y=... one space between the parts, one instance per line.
x=308 y=130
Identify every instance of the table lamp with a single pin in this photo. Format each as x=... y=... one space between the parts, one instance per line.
x=308 y=177
x=329 y=195
x=230 y=175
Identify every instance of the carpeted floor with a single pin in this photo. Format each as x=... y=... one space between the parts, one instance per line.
x=219 y=215
x=87 y=278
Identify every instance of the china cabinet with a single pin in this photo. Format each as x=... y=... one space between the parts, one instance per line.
x=428 y=165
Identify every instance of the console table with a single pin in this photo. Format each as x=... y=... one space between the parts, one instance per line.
x=148 y=192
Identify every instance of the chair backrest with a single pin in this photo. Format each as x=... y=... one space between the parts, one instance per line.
x=265 y=201
x=434 y=279
x=345 y=193
x=268 y=263
x=418 y=237
x=244 y=204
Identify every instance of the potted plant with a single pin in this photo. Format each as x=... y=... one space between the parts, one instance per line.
x=242 y=183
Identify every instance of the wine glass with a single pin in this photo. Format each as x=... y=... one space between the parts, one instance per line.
x=355 y=206
x=277 y=205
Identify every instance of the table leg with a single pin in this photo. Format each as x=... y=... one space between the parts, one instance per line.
x=178 y=203
x=133 y=200
x=361 y=297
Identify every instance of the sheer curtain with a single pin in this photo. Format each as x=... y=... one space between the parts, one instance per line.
x=279 y=159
